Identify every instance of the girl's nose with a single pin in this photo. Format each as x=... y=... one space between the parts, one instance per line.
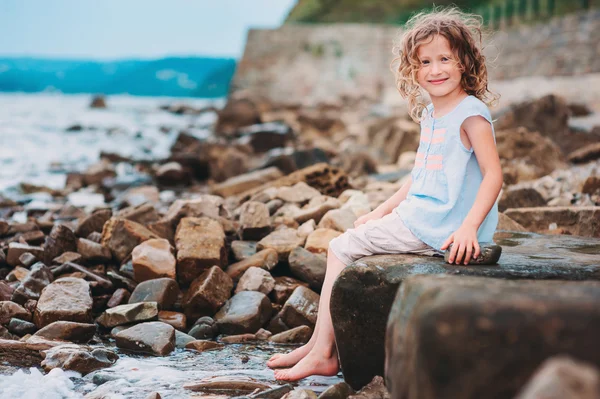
x=434 y=68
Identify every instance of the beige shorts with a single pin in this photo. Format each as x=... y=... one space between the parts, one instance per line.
x=387 y=235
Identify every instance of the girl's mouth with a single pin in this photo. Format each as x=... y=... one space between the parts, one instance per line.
x=437 y=82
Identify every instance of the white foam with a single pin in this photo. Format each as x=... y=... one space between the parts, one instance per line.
x=35 y=385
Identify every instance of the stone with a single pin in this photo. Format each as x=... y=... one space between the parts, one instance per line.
x=154 y=338
x=200 y=244
x=266 y=259
x=255 y=221
x=587 y=153
x=100 y=284
x=207 y=293
x=338 y=219
x=92 y=252
x=176 y=319
x=308 y=267
x=154 y=395
x=318 y=240
x=298 y=193
x=78 y=358
x=274 y=205
x=202 y=345
x=507 y=224
x=182 y=339
x=296 y=335
x=143 y=214
x=282 y=241
x=98 y=102
x=68 y=331
x=247 y=181
x=153 y=259
x=21 y=327
x=32 y=285
x=17 y=274
x=9 y=309
x=121 y=236
x=4 y=227
x=562 y=377
x=582 y=221
x=93 y=223
x=263 y=335
x=66 y=299
x=119 y=297
x=300 y=394
x=164 y=291
x=94 y=236
x=172 y=174
x=228 y=387
x=6 y=291
x=525 y=197
x=591 y=185
x=363 y=293
x=375 y=389
x=272 y=393
x=444 y=315
x=356 y=201
x=16 y=249
x=245 y=312
x=27 y=259
x=316 y=211
x=204 y=328
x=306 y=228
x=239 y=339
x=341 y=390
x=124 y=314
x=301 y=308
x=61 y=239
x=256 y=279
x=284 y=287
x=243 y=249
x=65 y=257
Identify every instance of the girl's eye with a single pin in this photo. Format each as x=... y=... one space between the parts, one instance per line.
x=424 y=62
x=445 y=59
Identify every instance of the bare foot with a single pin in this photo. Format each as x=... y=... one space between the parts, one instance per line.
x=289 y=359
x=311 y=364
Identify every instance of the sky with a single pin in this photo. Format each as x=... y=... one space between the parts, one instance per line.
x=117 y=29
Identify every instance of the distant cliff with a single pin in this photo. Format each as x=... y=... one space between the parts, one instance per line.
x=189 y=77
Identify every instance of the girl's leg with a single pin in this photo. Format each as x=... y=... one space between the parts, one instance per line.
x=290 y=359
x=321 y=359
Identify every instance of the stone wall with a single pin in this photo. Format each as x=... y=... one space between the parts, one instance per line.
x=303 y=63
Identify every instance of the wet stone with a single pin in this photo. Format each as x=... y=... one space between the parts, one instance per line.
x=243 y=249
x=375 y=389
x=121 y=236
x=201 y=345
x=21 y=327
x=93 y=223
x=265 y=259
x=204 y=328
x=245 y=312
x=300 y=394
x=284 y=287
x=32 y=285
x=297 y=335
x=155 y=338
x=68 y=331
x=182 y=339
x=200 y=245
x=82 y=359
x=308 y=267
x=153 y=259
x=9 y=309
x=256 y=279
x=255 y=221
x=301 y=308
x=61 y=239
x=119 y=297
x=92 y=252
x=282 y=241
x=207 y=294
x=66 y=299
x=444 y=315
x=164 y=291
x=175 y=319
x=124 y=314
x=341 y=390
x=239 y=339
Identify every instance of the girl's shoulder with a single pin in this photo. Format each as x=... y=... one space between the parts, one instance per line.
x=473 y=106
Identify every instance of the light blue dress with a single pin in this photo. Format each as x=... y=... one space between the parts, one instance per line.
x=445 y=178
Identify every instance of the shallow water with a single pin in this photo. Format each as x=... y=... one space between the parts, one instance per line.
x=36 y=148
x=137 y=376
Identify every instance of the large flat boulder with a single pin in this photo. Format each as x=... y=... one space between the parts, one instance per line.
x=469 y=337
x=363 y=293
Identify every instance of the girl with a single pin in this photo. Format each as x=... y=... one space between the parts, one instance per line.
x=451 y=195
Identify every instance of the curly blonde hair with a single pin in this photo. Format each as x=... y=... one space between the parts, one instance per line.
x=464 y=33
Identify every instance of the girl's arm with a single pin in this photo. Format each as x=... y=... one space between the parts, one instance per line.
x=479 y=133
x=388 y=206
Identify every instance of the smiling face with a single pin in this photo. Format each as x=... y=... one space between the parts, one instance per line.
x=439 y=73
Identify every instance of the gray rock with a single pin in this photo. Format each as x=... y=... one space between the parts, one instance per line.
x=363 y=293
x=245 y=312
x=154 y=338
x=308 y=267
x=204 y=328
x=301 y=308
x=164 y=291
x=243 y=249
x=182 y=339
x=78 y=358
x=442 y=317
x=21 y=327
x=32 y=285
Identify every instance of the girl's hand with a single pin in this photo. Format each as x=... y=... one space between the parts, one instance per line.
x=373 y=215
x=465 y=244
